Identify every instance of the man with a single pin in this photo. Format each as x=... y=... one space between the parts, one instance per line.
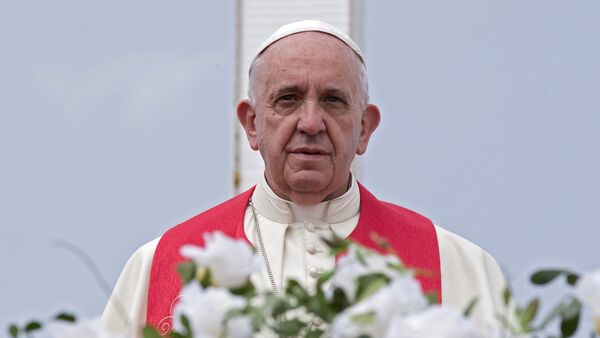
x=308 y=115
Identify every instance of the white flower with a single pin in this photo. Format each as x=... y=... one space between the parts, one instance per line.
x=350 y=267
x=587 y=290
x=240 y=327
x=435 y=322
x=206 y=310
x=85 y=328
x=372 y=316
x=230 y=261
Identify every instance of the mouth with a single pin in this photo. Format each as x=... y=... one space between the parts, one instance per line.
x=310 y=152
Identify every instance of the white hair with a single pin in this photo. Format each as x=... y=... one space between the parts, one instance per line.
x=252 y=78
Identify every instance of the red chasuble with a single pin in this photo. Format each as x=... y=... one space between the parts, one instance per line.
x=411 y=235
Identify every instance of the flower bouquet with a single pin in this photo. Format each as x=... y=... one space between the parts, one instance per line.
x=368 y=295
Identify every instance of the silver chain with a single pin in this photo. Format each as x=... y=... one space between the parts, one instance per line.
x=263 y=252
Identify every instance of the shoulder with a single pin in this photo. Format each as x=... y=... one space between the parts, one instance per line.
x=401 y=211
x=375 y=208
x=139 y=262
x=457 y=249
x=147 y=249
x=451 y=242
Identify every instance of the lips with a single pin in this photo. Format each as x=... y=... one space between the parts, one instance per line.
x=309 y=151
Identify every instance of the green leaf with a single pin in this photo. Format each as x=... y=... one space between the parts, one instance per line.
x=296 y=290
x=280 y=306
x=206 y=278
x=570 y=319
x=33 y=326
x=186 y=323
x=290 y=328
x=324 y=278
x=319 y=306
x=150 y=332
x=545 y=276
x=369 y=284
x=572 y=278
x=247 y=290
x=568 y=327
x=66 y=317
x=337 y=245
x=187 y=271
x=506 y=296
x=432 y=297
x=13 y=330
x=529 y=313
x=470 y=307
x=339 y=302
x=402 y=269
x=256 y=316
x=316 y=333
x=365 y=319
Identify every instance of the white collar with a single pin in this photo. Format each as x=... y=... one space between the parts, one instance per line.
x=338 y=210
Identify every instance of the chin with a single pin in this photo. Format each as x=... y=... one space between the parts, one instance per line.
x=307 y=198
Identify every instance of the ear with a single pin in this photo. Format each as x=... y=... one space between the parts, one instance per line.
x=370 y=121
x=247 y=118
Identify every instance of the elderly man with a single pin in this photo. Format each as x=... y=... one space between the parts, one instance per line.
x=308 y=115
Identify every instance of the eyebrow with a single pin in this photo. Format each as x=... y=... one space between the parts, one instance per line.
x=337 y=92
x=294 y=88
x=286 y=89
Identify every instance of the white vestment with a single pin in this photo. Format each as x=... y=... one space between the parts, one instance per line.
x=291 y=237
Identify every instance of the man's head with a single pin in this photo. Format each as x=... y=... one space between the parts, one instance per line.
x=308 y=115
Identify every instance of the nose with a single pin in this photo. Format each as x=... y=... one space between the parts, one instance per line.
x=311 y=119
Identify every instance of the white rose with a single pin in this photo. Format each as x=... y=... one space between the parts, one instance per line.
x=587 y=290
x=435 y=322
x=240 y=327
x=206 y=310
x=350 y=267
x=230 y=261
x=85 y=328
x=401 y=297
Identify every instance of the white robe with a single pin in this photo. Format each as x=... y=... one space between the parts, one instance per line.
x=291 y=236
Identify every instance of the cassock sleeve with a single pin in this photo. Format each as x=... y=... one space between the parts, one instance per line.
x=125 y=312
x=468 y=272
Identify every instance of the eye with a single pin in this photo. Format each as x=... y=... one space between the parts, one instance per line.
x=286 y=103
x=287 y=98
x=333 y=99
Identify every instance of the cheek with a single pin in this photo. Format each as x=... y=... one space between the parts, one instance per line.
x=344 y=136
x=275 y=135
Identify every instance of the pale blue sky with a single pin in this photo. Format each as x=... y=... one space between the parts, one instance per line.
x=116 y=121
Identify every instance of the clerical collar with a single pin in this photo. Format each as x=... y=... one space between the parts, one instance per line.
x=338 y=210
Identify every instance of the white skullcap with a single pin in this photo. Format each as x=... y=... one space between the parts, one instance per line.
x=309 y=26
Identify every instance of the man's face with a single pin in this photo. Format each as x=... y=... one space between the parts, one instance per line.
x=309 y=117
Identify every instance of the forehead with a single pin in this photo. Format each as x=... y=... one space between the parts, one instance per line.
x=310 y=46
x=309 y=55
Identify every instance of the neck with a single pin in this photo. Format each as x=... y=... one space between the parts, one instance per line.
x=307 y=199
x=281 y=210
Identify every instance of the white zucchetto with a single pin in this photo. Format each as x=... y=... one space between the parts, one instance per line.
x=309 y=26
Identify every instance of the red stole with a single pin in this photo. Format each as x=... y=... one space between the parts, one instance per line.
x=411 y=235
